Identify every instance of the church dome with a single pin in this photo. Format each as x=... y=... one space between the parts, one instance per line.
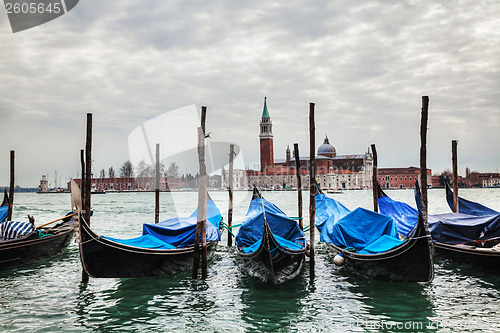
x=327 y=149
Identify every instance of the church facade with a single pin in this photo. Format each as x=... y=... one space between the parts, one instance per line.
x=333 y=171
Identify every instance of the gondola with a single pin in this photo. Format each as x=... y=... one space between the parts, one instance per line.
x=462 y=237
x=165 y=248
x=468 y=207
x=368 y=243
x=22 y=243
x=270 y=245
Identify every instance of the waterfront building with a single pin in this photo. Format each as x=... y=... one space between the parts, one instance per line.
x=333 y=171
x=401 y=178
x=125 y=184
x=482 y=179
x=44 y=185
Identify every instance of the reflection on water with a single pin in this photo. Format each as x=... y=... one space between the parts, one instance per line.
x=268 y=307
x=142 y=304
x=393 y=303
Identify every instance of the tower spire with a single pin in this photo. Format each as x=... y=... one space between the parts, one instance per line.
x=265 y=112
x=266 y=139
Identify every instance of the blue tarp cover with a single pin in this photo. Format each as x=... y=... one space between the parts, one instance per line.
x=282 y=227
x=3 y=213
x=179 y=231
x=328 y=211
x=146 y=241
x=457 y=228
x=176 y=232
x=213 y=213
x=469 y=207
x=451 y=228
x=405 y=216
x=283 y=242
x=381 y=244
x=358 y=229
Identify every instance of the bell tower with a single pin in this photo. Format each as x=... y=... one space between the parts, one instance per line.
x=266 y=139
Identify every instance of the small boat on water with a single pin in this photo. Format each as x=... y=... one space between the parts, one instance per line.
x=369 y=243
x=22 y=242
x=164 y=248
x=270 y=245
x=464 y=237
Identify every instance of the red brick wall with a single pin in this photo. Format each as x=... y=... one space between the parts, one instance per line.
x=399 y=177
x=266 y=153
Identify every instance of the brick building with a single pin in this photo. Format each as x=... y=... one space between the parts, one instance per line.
x=482 y=179
x=125 y=184
x=401 y=178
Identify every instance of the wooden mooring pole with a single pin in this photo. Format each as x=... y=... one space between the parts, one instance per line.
x=423 y=156
x=454 y=144
x=82 y=183
x=157 y=188
x=374 y=179
x=230 y=190
x=11 y=186
x=88 y=169
x=313 y=189
x=299 y=183
x=201 y=225
x=88 y=180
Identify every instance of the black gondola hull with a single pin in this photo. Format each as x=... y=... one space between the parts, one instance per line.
x=412 y=261
x=103 y=258
x=32 y=249
x=485 y=259
x=271 y=263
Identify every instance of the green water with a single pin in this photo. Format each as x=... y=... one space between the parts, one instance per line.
x=49 y=296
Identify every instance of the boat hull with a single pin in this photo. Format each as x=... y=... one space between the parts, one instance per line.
x=27 y=250
x=103 y=258
x=412 y=261
x=271 y=263
x=485 y=259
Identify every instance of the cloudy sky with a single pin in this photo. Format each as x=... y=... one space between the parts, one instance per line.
x=365 y=64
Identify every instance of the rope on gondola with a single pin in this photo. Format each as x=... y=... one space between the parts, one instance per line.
x=228 y=228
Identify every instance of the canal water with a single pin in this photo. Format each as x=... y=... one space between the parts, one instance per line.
x=49 y=296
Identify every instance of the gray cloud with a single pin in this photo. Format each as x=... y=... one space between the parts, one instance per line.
x=365 y=66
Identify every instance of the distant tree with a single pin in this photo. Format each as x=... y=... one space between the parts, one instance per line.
x=127 y=169
x=172 y=171
x=144 y=169
x=102 y=174
x=111 y=172
x=152 y=170
x=467 y=172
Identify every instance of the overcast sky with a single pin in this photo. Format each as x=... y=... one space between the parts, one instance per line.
x=366 y=65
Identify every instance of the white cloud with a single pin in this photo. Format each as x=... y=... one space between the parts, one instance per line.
x=365 y=66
